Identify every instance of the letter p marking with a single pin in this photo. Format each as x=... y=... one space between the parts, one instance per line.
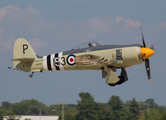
x=25 y=47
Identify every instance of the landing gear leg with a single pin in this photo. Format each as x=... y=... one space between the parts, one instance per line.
x=123 y=77
x=124 y=74
x=31 y=75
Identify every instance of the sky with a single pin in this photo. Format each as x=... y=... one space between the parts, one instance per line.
x=54 y=26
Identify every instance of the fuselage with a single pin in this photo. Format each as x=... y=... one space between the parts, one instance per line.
x=127 y=54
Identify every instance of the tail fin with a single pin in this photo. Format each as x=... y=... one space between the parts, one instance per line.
x=22 y=53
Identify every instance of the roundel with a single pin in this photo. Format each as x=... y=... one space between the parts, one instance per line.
x=70 y=59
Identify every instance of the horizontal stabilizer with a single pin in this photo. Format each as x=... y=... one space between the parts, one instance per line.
x=23 y=59
x=14 y=69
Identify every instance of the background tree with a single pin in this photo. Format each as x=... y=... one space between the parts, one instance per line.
x=6 y=105
x=105 y=112
x=87 y=108
x=119 y=112
x=1 y=113
x=134 y=108
x=154 y=115
x=150 y=103
x=115 y=103
x=19 y=108
x=70 y=111
x=163 y=115
x=140 y=117
x=127 y=104
x=142 y=107
x=54 y=109
x=34 y=107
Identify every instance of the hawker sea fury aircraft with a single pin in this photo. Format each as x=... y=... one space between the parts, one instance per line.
x=94 y=56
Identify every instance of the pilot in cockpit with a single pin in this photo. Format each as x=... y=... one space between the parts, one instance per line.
x=90 y=44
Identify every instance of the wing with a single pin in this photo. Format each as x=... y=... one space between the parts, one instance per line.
x=88 y=60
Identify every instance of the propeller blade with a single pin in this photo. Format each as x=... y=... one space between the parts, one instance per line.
x=152 y=47
x=143 y=41
x=147 y=66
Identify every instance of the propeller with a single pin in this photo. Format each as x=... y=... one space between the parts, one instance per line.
x=146 y=53
x=152 y=47
x=143 y=41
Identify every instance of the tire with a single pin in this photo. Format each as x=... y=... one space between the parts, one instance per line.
x=112 y=84
x=121 y=80
x=30 y=75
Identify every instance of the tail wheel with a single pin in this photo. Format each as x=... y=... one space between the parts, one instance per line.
x=31 y=75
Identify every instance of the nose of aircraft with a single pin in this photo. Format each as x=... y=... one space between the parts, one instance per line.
x=146 y=52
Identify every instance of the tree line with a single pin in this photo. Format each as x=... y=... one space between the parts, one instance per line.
x=88 y=109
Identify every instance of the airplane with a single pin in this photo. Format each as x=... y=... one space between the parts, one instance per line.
x=89 y=56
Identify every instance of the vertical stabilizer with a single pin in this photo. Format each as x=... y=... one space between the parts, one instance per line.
x=22 y=53
x=22 y=49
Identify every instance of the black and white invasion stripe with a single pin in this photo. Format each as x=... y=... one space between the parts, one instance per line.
x=53 y=62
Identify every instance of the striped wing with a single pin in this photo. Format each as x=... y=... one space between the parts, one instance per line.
x=91 y=60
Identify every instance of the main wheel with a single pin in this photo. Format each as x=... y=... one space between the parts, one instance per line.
x=112 y=84
x=121 y=80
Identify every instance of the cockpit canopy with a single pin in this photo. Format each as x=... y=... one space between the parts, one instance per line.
x=86 y=45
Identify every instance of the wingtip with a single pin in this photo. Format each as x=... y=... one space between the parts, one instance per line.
x=149 y=80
